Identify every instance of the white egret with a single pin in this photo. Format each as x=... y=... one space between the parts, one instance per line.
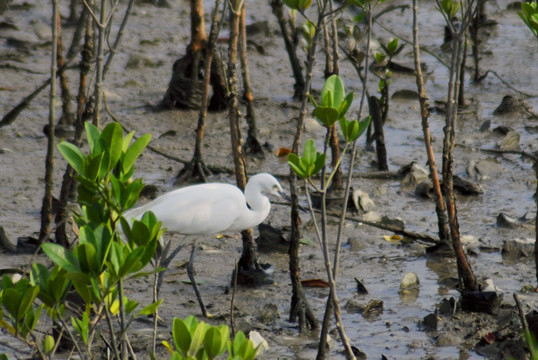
x=212 y=208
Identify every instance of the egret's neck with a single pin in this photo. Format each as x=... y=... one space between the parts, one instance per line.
x=259 y=205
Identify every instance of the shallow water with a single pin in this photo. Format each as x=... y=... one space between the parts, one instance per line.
x=509 y=49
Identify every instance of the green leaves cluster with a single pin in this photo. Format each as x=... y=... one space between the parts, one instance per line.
x=101 y=260
x=17 y=300
x=334 y=106
x=529 y=15
x=299 y=5
x=334 y=102
x=198 y=340
x=104 y=174
x=310 y=163
x=450 y=8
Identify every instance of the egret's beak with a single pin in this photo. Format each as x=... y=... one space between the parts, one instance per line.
x=283 y=195
x=286 y=197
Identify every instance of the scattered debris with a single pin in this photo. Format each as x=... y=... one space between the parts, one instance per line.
x=409 y=282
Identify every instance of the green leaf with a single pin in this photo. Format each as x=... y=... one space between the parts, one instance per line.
x=379 y=57
x=127 y=140
x=116 y=257
x=26 y=301
x=300 y=5
x=333 y=92
x=344 y=106
x=11 y=299
x=214 y=342
x=93 y=166
x=151 y=308
x=73 y=155
x=134 y=152
x=181 y=335
x=319 y=163
x=113 y=136
x=392 y=46
x=363 y=125
x=130 y=305
x=309 y=153
x=295 y=164
x=92 y=134
x=61 y=257
x=326 y=116
x=132 y=262
x=82 y=326
x=197 y=338
x=48 y=344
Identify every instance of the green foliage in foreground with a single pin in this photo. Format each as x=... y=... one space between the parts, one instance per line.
x=198 y=340
x=99 y=264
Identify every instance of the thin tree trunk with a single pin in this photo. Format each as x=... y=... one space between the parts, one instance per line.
x=381 y=150
x=119 y=35
x=300 y=309
x=196 y=167
x=440 y=207
x=248 y=260
x=252 y=145
x=465 y=272
x=536 y=219
x=338 y=183
x=69 y=182
x=46 y=209
x=461 y=88
x=291 y=49
x=67 y=110
x=98 y=92
x=73 y=10
x=327 y=50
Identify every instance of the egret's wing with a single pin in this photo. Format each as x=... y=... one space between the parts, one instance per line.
x=200 y=209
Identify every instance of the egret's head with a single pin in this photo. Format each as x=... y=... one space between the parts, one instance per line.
x=267 y=184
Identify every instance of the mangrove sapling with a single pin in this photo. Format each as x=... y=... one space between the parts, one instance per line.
x=440 y=206
x=67 y=189
x=97 y=267
x=332 y=108
x=248 y=261
x=379 y=107
x=449 y=8
x=46 y=208
x=300 y=308
x=332 y=68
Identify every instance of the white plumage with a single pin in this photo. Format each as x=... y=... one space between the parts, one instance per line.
x=212 y=208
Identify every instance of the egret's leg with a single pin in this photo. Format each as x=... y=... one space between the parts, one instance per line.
x=164 y=261
x=190 y=272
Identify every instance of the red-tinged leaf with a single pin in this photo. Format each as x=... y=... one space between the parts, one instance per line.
x=283 y=152
x=319 y=283
x=489 y=338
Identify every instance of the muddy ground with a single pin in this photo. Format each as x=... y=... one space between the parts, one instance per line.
x=157 y=36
